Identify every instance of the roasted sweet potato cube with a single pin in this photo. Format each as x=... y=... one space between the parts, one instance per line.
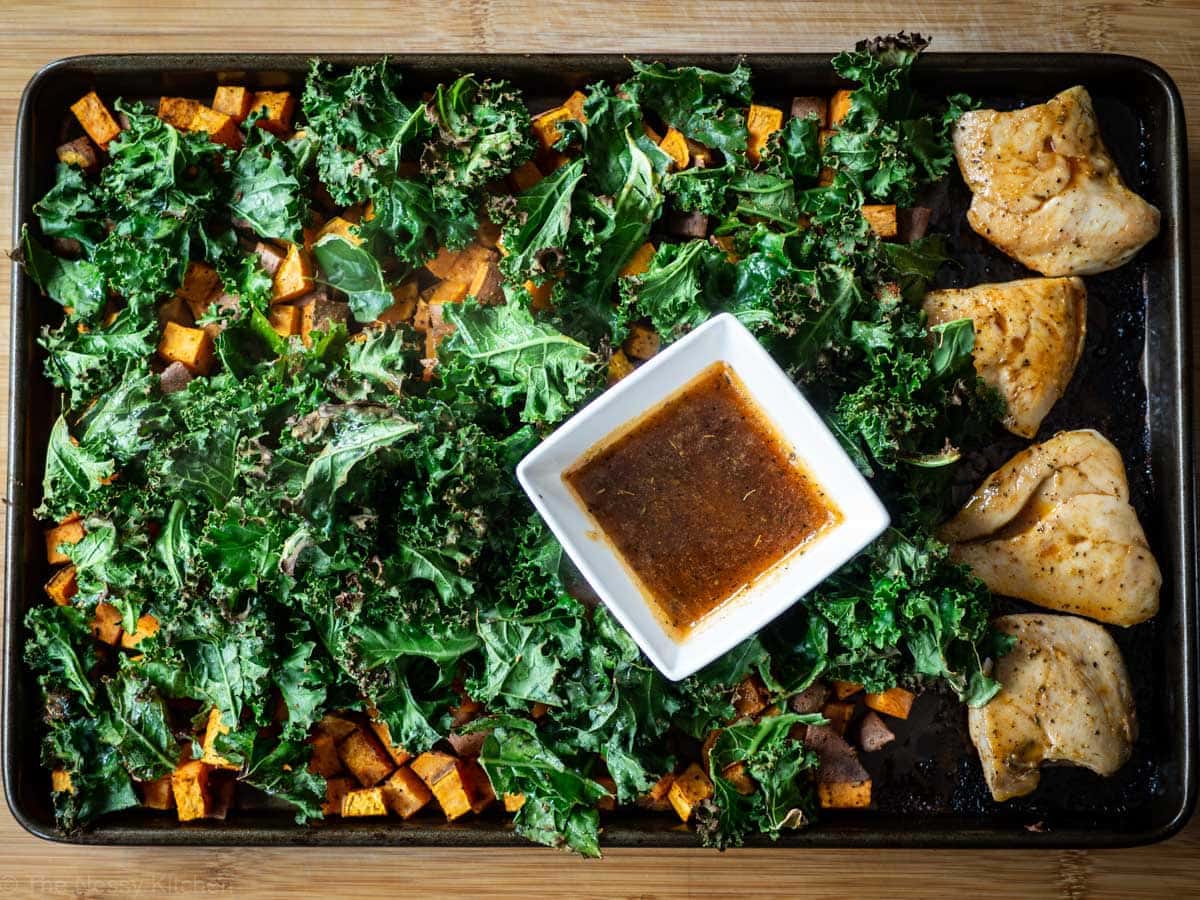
x=911 y=224
x=337 y=727
x=811 y=106
x=106 y=623
x=398 y=754
x=324 y=760
x=95 y=118
x=545 y=126
x=62 y=586
x=750 y=696
x=486 y=284
x=60 y=781
x=657 y=797
x=574 y=105
x=443 y=774
x=844 y=794
x=839 y=715
x=200 y=284
x=279 y=106
x=335 y=789
x=737 y=775
x=453 y=794
x=761 y=123
x=341 y=227
x=882 y=218
x=513 y=802
x=232 y=100
x=405 y=305
x=69 y=531
x=445 y=292
x=444 y=262
x=689 y=788
x=270 y=257
x=178 y=111
x=844 y=689
x=675 y=145
x=873 y=733
x=285 y=319
x=173 y=378
x=214 y=726
x=892 y=702
x=191 y=346
x=811 y=699
x=839 y=106
x=147 y=627
x=478 y=785
x=190 y=783
x=364 y=802
x=294 y=277
x=176 y=310
x=540 y=295
x=80 y=153
x=469 y=744
x=365 y=757
x=432 y=765
x=405 y=793
x=524 y=176
x=651 y=133
x=839 y=763
x=220 y=128
x=157 y=794
x=639 y=260
x=619 y=366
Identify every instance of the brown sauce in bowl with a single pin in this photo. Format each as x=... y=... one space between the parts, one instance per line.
x=700 y=496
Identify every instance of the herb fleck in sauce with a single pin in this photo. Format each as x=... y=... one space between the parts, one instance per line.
x=700 y=497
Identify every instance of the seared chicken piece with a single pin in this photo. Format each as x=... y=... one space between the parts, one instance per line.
x=1066 y=699
x=1028 y=338
x=1046 y=191
x=1054 y=526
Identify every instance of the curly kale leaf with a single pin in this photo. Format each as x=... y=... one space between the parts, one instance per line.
x=706 y=106
x=517 y=360
x=481 y=133
x=268 y=188
x=361 y=126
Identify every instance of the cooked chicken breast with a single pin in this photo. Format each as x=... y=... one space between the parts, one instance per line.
x=1046 y=191
x=1066 y=699
x=1028 y=338
x=1054 y=526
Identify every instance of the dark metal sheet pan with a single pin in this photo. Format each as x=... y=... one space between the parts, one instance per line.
x=1134 y=384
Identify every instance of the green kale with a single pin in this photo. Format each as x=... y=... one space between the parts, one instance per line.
x=481 y=133
x=706 y=106
x=502 y=350
x=268 y=189
x=361 y=126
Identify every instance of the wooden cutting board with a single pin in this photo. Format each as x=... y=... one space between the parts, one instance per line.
x=34 y=32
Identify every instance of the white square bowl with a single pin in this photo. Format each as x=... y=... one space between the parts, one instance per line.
x=721 y=339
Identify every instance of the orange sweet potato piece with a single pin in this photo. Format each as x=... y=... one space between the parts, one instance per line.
x=279 y=106
x=69 y=531
x=232 y=100
x=95 y=118
x=62 y=586
x=193 y=347
x=761 y=123
x=892 y=702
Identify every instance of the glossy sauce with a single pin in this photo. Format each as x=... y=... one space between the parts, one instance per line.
x=700 y=496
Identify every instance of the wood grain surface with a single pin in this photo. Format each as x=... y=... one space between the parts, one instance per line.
x=34 y=32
